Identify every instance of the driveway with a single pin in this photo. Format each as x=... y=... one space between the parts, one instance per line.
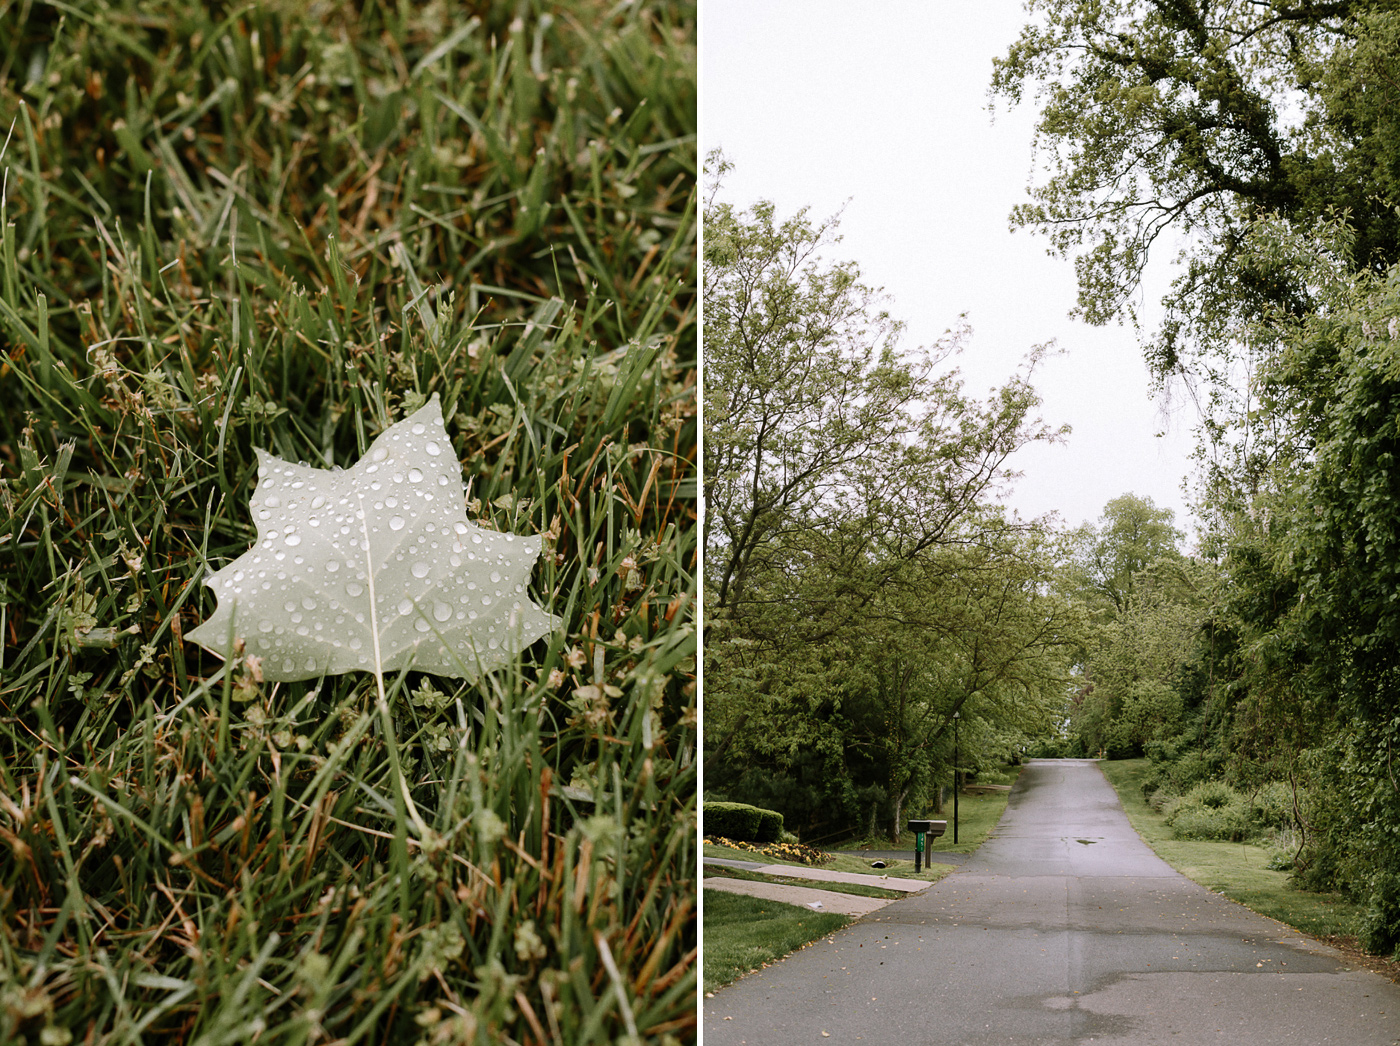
x=1063 y=928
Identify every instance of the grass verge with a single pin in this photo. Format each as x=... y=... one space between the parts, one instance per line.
x=746 y=933
x=1237 y=870
x=285 y=226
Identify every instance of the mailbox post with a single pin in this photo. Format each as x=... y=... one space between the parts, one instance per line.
x=933 y=829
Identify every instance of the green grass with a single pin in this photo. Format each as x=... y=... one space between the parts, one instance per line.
x=744 y=933
x=977 y=816
x=1237 y=870
x=285 y=225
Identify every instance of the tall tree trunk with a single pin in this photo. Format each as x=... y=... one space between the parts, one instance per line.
x=898 y=809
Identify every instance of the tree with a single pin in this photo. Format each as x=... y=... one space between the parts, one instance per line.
x=1132 y=533
x=814 y=413
x=1200 y=117
x=843 y=474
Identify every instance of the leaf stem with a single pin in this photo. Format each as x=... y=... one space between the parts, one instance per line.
x=382 y=701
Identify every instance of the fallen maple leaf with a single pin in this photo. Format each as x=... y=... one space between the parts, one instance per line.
x=375 y=568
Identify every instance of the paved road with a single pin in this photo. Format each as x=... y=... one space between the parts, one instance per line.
x=1063 y=928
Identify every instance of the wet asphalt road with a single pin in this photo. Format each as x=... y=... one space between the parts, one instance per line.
x=1063 y=928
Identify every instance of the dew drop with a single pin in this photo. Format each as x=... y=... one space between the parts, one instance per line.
x=356 y=643
x=289 y=606
x=420 y=569
x=333 y=565
x=442 y=481
x=432 y=448
x=378 y=454
x=460 y=528
x=421 y=625
x=395 y=522
x=415 y=475
x=405 y=606
x=294 y=539
x=419 y=429
x=272 y=501
x=288 y=665
x=353 y=588
x=495 y=577
x=264 y=625
x=308 y=603
x=442 y=611
x=318 y=502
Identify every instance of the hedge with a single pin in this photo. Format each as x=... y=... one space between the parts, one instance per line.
x=742 y=821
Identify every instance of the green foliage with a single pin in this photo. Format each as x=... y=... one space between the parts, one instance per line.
x=862 y=589
x=1210 y=810
x=1149 y=603
x=1192 y=120
x=1107 y=559
x=285 y=226
x=741 y=821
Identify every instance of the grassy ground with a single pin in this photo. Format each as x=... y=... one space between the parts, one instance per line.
x=744 y=933
x=1237 y=870
x=977 y=815
x=285 y=225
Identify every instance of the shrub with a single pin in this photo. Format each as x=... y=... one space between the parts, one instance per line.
x=770 y=826
x=1380 y=930
x=1190 y=770
x=742 y=821
x=1273 y=806
x=1210 y=810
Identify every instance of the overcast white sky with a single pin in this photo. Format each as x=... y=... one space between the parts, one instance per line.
x=884 y=105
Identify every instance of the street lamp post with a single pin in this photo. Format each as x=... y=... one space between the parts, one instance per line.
x=955 y=778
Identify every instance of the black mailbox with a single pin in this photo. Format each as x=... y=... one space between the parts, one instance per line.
x=932 y=828
x=920 y=829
